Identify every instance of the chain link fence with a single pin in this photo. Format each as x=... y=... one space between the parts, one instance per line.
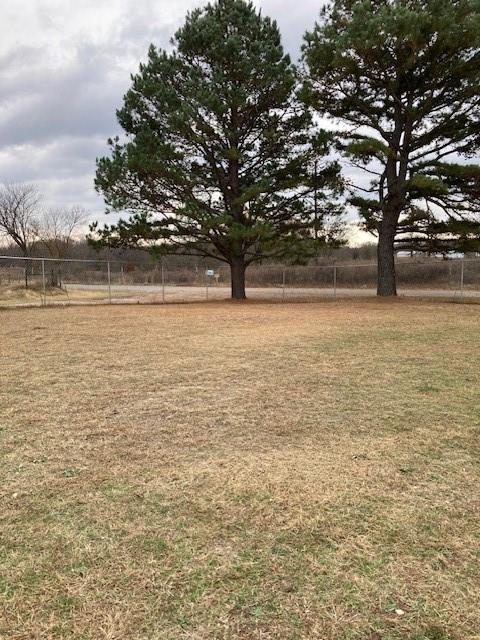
x=45 y=281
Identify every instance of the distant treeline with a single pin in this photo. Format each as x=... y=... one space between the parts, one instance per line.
x=82 y=250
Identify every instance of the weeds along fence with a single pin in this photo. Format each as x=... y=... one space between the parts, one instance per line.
x=46 y=281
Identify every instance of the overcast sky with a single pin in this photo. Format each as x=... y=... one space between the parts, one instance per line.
x=64 y=68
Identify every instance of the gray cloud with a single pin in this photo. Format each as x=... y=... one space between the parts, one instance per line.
x=59 y=98
x=293 y=18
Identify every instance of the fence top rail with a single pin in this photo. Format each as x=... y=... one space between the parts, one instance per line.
x=405 y=261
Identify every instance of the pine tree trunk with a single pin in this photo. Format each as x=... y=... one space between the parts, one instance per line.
x=386 y=279
x=237 y=276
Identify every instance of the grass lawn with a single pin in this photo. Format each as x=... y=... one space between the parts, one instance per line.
x=240 y=471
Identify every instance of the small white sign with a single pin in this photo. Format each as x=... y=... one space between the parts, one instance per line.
x=210 y=273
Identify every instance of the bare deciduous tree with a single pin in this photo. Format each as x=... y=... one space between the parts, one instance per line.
x=58 y=228
x=57 y=234
x=19 y=212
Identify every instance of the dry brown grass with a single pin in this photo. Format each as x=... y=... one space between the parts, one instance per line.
x=240 y=471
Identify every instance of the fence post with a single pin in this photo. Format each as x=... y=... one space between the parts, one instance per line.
x=44 y=286
x=283 y=284
x=335 y=281
x=163 y=283
x=206 y=284
x=462 y=277
x=109 y=283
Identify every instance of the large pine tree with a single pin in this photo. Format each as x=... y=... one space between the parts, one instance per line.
x=217 y=154
x=403 y=77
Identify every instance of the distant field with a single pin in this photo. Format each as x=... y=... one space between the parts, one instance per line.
x=241 y=471
x=71 y=293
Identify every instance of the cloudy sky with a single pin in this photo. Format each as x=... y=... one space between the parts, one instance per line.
x=64 y=67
